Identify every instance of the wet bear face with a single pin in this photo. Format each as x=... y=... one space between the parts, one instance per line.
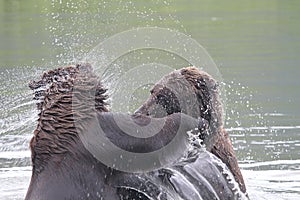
x=189 y=91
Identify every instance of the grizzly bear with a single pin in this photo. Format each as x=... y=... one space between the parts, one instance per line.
x=200 y=100
x=63 y=166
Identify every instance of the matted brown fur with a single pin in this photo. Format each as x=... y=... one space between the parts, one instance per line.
x=56 y=131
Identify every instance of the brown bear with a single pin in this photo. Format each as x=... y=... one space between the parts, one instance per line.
x=200 y=99
x=64 y=168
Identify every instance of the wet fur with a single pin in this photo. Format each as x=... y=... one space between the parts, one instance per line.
x=62 y=167
x=56 y=143
x=53 y=94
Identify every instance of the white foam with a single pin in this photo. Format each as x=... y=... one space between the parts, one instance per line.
x=268 y=163
x=14 y=154
x=262 y=128
x=12 y=172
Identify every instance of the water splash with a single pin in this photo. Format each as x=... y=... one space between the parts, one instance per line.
x=97 y=20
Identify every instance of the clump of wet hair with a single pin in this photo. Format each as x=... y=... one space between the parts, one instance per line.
x=55 y=84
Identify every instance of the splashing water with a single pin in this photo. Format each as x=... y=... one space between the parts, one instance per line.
x=266 y=142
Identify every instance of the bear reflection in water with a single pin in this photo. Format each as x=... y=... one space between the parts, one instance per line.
x=65 y=168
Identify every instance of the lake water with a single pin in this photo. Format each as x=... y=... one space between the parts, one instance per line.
x=255 y=44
